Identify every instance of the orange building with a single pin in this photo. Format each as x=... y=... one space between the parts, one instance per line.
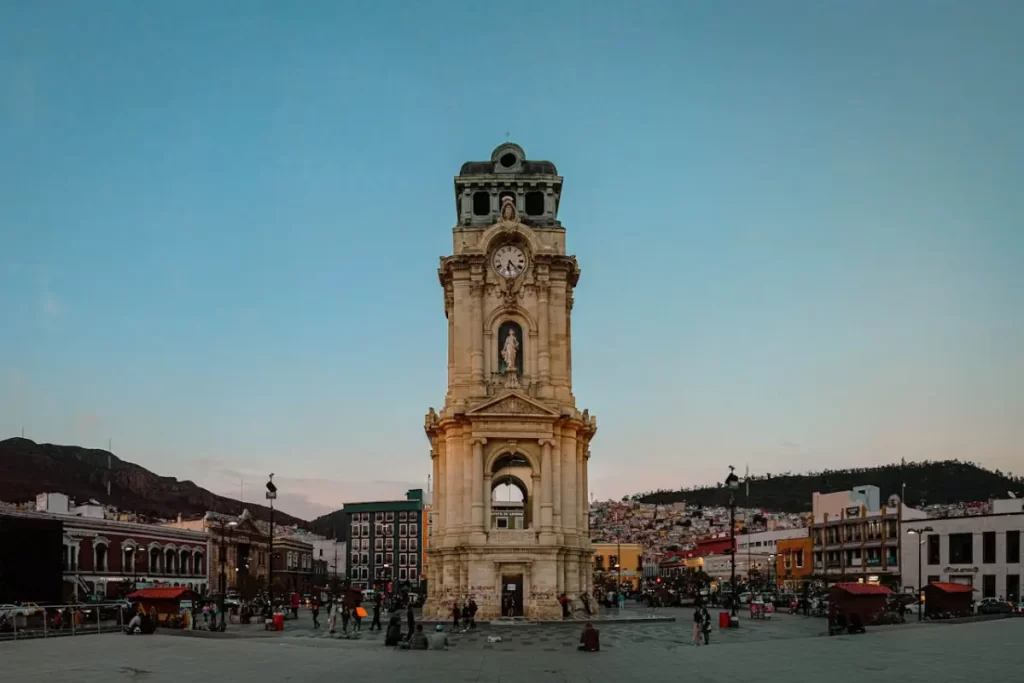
x=793 y=565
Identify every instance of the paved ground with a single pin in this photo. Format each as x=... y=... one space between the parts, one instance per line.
x=789 y=649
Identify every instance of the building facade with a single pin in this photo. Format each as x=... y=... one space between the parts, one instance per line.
x=853 y=542
x=294 y=568
x=509 y=414
x=108 y=559
x=982 y=551
x=793 y=567
x=239 y=551
x=759 y=551
x=618 y=562
x=386 y=543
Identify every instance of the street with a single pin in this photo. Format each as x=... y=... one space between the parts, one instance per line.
x=787 y=648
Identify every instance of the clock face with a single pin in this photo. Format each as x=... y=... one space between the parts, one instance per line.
x=509 y=261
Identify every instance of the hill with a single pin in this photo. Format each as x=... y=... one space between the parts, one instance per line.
x=28 y=468
x=927 y=483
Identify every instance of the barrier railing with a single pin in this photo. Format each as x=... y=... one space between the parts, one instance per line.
x=57 y=621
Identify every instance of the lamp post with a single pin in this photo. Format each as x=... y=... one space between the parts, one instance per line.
x=733 y=483
x=771 y=571
x=271 y=495
x=919 y=531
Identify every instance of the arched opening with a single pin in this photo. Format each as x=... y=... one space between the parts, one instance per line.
x=200 y=567
x=154 y=561
x=185 y=567
x=510 y=327
x=170 y=562
x=101 y=557
x=510 y=495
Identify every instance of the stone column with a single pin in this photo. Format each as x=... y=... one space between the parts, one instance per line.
x=478 y=486
x=572 y=574
x=487 y=502
x=556 y=485
x=476 y=290
x=546 y=476
x=463 y=328
x=467 y=481
x=569 y=507
x=543 y=352
x=452 y=449
x=535 y=496
x=581 y=493
x=560 y=573
x=586 y=487
x=449 y=309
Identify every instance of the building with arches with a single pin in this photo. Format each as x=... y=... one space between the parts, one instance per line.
x=509 y=419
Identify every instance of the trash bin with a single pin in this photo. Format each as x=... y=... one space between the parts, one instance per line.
x=278 y=621
x=723 y=620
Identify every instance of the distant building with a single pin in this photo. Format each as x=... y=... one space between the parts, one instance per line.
x=386 y=540
x=856 y=539
x=982 y=551
x=793 y=566
x=294 y=570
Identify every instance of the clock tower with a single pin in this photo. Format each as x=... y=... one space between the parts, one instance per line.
x=509 y=419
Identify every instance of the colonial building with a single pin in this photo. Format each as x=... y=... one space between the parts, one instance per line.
x=239 y=549
x=386 y=543
x=107 y=558
x=509 y=413
x=793 y=562
x=618 y=562
x=294 y=570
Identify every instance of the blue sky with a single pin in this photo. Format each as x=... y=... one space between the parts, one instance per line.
x=799 y=223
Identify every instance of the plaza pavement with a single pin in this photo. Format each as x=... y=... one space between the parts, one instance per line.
x=790 y=649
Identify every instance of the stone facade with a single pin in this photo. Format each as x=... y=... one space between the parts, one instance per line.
x=509 y=414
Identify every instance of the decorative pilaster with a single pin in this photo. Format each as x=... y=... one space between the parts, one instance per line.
x=488 y=490
x=543 y=350
x=453 y=442
x=476 y=293
x=546 y=480
x=581 y=493
x=477 y=504
x=535 y=500
x=569 y=507
x=467 y=481
x=556 y=484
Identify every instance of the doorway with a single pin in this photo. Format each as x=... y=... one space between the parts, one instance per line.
x=512 y=595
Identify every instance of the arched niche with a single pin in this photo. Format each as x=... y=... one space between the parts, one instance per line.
x=494 y=340
x=505 y=330
x=515 y=511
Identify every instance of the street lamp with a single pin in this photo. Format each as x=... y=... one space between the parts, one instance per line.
x=919 y=531
x=733 y=483
x=771 y=570
x=271 y=495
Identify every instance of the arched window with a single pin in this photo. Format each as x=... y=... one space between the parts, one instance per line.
x=170 y=562
x=186 y=561
x=503 y=338
x=199 y=564
x=154 y=560
x=100 y=560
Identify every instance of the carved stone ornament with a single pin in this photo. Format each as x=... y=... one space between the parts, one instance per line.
x=508 y=210
x=513 y=405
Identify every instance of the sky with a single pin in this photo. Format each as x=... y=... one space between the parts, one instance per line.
x=800 y=228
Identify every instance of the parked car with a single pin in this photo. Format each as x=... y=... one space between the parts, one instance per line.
x=994 y=606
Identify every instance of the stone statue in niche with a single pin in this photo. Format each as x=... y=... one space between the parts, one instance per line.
x=510 y=351
x=508 y=209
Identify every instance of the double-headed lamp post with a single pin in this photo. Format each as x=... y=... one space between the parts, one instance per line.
x=919 y=531
x=271 y=496
x=733 y=483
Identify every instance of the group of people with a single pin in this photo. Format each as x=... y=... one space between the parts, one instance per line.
x=701 y=625
x=466 y=613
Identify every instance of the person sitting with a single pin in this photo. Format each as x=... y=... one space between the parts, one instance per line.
x=439 y=639
x=419 y=641
x=590 y=640
x=394 y=632
x=135 y=625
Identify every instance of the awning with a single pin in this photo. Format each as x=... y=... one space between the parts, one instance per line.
x=863 y=589
x=947 y=587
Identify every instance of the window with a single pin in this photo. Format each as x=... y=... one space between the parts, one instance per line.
x=378 y=529
x=402 y=574
x=412 y=516
x=933 y=578
x=100 y=561
x=378 y=516
x=364 y=558
x=364 y=544
x=534 y=203
x=389 y=544
x=403 y=530
x=378 y=558
x=413 y=544
x=481 y=203
x=364 y=573
x=378 y=544
x=390 y=517
x=403 y=560
x=1013 y=547
x=390 y=558
x=988 y=586
x=961 y=548
x=413 y=560
x=403 y=516
x=988 y=547
x=502 y=522
x=799 y=559
x=366 y=529
x=403 y=544
x=933 y=549
x=389 y=529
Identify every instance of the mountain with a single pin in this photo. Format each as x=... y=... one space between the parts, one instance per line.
x=927 y=483
x=28 y=468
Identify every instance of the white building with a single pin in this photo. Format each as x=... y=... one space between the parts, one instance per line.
x=982 y=551
x=757 y=550
x=330 y=551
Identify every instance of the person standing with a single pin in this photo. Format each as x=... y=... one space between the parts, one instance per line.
x=357 y=615
x=695 y=639
x=456 y=613
x=705 y=624
x=314 y=608
x=472 y=612
x=410 y=617
x=376 y=616
x=346 y=614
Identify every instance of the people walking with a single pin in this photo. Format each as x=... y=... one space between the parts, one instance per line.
x=346 y=615
x=357 y=616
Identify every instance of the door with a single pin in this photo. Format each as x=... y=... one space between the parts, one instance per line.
x=512 y=598
x=1013 y=588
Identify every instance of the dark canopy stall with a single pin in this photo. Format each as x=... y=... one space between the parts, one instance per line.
x=952 y=599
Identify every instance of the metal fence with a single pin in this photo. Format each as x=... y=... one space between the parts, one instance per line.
x=58 y=621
